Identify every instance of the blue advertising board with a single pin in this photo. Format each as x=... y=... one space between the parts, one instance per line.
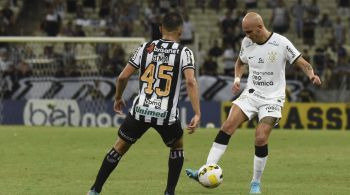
x=87 y=113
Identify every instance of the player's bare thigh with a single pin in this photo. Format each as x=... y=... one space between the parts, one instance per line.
x=235 y=118
x=264 y=129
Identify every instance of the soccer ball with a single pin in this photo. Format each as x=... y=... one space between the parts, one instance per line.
x=210 y=175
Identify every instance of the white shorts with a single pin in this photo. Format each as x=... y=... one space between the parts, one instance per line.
x=255 y=106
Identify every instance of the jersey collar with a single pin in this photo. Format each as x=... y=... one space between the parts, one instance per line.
x=266 y=39
x=166 y=40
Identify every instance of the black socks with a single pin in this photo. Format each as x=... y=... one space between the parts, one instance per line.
x=108 y=165
x=176 y=160
x=222 y=138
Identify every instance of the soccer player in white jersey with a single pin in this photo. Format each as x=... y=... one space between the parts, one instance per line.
x=161 y=64
x=266 y=54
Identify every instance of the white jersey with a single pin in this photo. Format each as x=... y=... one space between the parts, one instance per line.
x=161 y=63
x=267 y=62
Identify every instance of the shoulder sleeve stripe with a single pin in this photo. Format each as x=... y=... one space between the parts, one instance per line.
x=296 y=58
x=133 y=64
x=187 y=67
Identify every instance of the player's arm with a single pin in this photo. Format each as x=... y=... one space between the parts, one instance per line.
x=121 y=83
x=192 y=90
x=239 y=70
x=308 y=70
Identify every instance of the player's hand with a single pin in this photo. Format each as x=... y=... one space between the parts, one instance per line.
x=193 y=124
x=236 y=87
x=119 y=104
x=315 y=80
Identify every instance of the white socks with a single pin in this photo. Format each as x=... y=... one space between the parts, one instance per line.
x=259 y=165
x=215 y=153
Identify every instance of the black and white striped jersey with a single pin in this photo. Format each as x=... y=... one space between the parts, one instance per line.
x=160 y=63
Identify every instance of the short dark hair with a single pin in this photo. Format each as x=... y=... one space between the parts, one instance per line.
x=171 y=21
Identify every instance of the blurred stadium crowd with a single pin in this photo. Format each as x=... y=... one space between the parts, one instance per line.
x=212 y=29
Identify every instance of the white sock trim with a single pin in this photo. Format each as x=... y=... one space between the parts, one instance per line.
x=219 y=146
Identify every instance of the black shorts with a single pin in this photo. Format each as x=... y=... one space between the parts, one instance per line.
x=131 y=130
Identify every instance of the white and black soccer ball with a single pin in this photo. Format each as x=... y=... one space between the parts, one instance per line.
x=210 y=175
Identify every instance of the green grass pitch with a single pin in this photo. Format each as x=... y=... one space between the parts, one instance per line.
x=65 y=161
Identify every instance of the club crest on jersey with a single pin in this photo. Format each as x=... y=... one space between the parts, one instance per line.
x=150 y=48
x=272 y=56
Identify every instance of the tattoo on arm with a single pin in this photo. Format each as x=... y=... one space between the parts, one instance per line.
x=307 y=68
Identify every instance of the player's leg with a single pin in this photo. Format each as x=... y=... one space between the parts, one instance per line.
x=128 y=133
x=175 y=163
x=109 y=163
x=262 y=134
x=235 y=118
x=173 y=137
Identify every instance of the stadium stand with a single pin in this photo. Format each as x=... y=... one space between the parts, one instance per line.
x=323 y=37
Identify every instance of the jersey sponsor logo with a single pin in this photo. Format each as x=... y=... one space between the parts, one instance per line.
x=157 y=113
x=150 y=48
x=258 y=78
x=251 y=57
x=274 y=43
x=163 y=50
x=160 y=58
x=291 y=52
x=263 y=83
x=154 y=102
x=262 y=73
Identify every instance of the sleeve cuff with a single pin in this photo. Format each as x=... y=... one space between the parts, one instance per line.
x=296 y=59
x=133 y=64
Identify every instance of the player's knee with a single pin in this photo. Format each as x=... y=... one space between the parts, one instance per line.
x=178 y=144
x=121 y=146
x=228 y=127
x=260 y=140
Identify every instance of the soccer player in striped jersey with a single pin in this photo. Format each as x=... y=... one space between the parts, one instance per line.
x=266 y=54
x=161 y=64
